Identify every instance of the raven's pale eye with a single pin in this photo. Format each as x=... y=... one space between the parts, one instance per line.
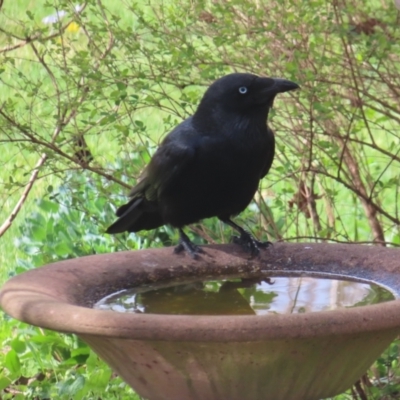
x=243 y=90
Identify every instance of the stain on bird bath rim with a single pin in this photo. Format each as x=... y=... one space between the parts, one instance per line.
x=293 y=356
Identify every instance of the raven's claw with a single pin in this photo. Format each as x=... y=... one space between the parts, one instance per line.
x=246 y=240
x=186 y=244
x=250 y=244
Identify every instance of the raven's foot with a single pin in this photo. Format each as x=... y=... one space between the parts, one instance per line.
x=249 y=243
x=186 y=244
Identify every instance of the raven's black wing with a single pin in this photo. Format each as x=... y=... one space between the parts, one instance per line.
x=170 y=160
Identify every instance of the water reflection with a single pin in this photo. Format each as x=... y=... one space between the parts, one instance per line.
x=283 y=295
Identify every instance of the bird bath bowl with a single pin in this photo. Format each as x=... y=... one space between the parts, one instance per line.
x=169 y=357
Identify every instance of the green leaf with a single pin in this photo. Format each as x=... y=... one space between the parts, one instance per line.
x=61 y=249
x=18 y=345
x=396 y=239
x=4 y=382
x=38 y=232
x=48 y=206
x=30 y=15
x=72 y=385
x=101 y=378
x=12 y=362
x=121 y=86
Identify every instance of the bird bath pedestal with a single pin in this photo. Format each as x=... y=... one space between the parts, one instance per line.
x=179 y=357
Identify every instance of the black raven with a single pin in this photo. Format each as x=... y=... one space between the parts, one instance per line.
x=210 y=164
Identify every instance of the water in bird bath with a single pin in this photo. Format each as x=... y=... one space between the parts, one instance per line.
x=280 y=295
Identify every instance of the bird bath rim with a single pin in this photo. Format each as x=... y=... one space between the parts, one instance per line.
x=58 y=296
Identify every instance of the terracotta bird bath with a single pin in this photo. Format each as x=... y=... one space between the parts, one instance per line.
x=181 y=357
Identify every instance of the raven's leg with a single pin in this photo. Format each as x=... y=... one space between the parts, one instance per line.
x=246 y=240
x=186 y=244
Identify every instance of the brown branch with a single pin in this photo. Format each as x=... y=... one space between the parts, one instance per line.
x=6 y=225
x=355 y=190
x=328 y=207
x=63 y=121
x=24 y=196
x=369 y=209
x=267 y=219
x=359 y=389
x=52 y=77
x=311 y=198
x=51 y=146
x=202 y=234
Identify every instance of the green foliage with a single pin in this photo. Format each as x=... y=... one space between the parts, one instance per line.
x=128 y=75
x=40 y=364
x=70 y=221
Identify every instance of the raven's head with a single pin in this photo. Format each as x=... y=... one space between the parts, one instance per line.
x=244 y=93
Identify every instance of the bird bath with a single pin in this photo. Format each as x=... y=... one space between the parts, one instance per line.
x=168 y=357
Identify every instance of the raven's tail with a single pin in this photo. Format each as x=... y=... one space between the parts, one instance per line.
x=135 y=216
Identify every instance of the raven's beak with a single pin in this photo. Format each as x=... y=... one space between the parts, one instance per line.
x=283 y=85
x=270 y=87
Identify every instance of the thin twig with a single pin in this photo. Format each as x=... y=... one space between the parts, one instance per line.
x=38 y=36
x=6 y=225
